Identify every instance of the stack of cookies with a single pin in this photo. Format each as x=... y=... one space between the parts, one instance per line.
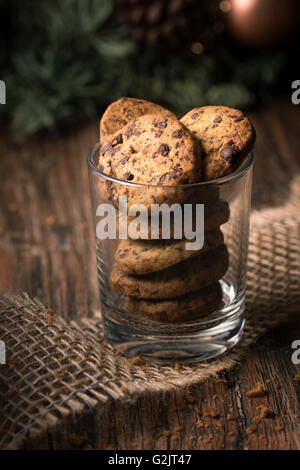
x=143 y=143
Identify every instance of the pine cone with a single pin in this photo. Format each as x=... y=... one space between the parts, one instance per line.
x=169 y=22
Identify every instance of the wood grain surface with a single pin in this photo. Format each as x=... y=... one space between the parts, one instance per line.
x=47 y=249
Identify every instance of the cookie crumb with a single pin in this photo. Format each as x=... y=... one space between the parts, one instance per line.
x=263 y=413
x=211 y=412
x=297 y=377
x=199 y=424
x=258 y=391
x=217 y=425
x=250 y=430
x=136 y=361
x=279 y=427
x=177 y=366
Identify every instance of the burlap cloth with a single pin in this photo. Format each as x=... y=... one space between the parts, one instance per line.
x=56 y=370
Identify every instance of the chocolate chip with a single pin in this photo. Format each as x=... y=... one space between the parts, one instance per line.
x=124 y=160
x=163 y=178
x=108 y=149
x=105 y=148
x=194 y=115
x=132 y=149
x=214 y=125
x=227 y=153
x=132 y=130
x=177 y=169
x=112 y=151
x=128 y=176
x=178 y=133
x=218 y=119
x=164 y=150
x=239 y=118
x=117 y=140
x=160 y=124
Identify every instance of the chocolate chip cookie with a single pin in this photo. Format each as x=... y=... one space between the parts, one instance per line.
x=121 y=112
x=177 y=280
x=186 y=308
x=226 y=136
x=151 y=150
x=143 y=257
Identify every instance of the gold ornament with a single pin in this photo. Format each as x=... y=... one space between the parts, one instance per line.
x=262 y=22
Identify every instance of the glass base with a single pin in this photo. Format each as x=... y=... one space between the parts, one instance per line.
x=168 y=343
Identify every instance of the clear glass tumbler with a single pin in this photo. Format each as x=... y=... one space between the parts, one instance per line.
x=172 y=263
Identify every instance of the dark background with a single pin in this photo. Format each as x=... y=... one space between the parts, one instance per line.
x=64 y=61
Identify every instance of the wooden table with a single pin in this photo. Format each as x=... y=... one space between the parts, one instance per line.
x=47 y=249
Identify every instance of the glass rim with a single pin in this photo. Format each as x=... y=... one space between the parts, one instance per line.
x=237 y=174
